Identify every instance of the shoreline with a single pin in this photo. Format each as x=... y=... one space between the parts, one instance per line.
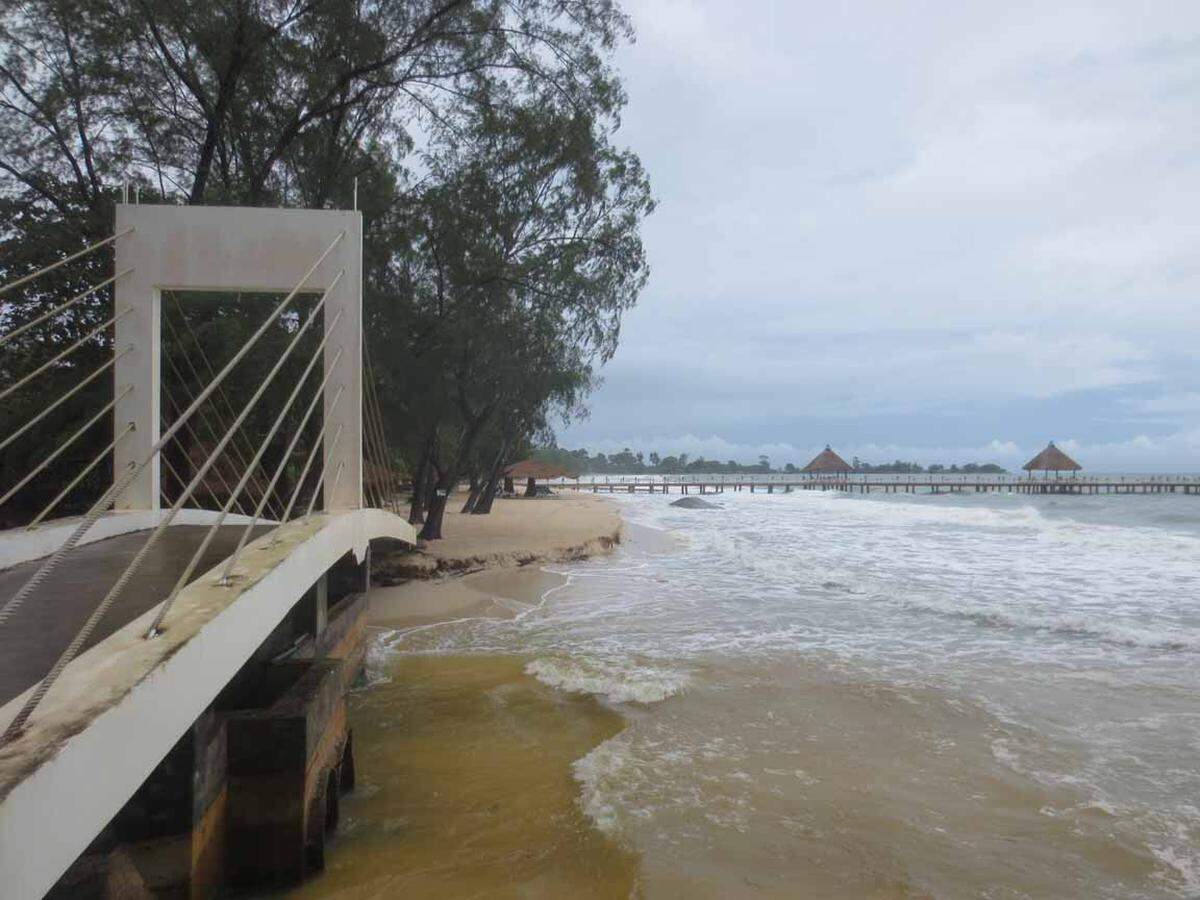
x=518 y=532
x=470 y=756
x=491 y=566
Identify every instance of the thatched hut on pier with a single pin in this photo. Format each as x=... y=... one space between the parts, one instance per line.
x=1051 y=460
x=827 y=463
x=531 y=470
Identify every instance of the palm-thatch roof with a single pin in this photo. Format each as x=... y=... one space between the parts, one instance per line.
x=535 y=468
x=827 y=462
x=1052 y=460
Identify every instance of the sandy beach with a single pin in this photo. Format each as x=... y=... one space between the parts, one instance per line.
x=487 y=565
x=517 y=532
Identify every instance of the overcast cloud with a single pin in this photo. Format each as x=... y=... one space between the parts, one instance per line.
x=943 y=231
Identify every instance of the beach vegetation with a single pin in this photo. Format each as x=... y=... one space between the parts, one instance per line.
x=501 y=220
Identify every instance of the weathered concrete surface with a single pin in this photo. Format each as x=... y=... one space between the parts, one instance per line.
x=345 y=638
x=119 y=708
x=39 y=631
x=283 y=783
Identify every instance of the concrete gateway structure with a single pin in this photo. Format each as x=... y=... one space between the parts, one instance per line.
x=175 y=718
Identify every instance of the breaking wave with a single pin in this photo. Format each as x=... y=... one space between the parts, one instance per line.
x=617 y=681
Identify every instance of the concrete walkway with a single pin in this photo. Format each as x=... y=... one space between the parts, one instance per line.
x=40 y=630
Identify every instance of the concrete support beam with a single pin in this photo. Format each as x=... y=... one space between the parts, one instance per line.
x=321 y=608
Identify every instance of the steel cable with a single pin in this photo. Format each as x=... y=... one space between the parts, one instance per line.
x=62 y=262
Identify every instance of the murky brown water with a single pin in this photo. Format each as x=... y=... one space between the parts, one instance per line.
x=759 y=715
x=787 y=780
x=466 y=790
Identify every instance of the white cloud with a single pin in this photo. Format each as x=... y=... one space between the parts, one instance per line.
x=1182 y=402
x=929 y=216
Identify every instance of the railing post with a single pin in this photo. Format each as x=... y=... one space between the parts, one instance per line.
x=142 y=366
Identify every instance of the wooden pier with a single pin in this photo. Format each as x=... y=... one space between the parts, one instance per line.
x=921 y=484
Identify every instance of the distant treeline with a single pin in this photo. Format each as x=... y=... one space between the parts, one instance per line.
x=627 y=462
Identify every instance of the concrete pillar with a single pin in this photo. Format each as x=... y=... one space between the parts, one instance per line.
x=140 y=334
x=346 y=336
x=321 y=606
x=366 y=571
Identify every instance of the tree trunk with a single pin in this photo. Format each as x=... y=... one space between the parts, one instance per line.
x=447 y=477
x=483 y=505
x=416 y=509
x=473 y=496
x=439 y=497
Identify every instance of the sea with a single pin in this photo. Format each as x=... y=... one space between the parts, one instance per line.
x=809 y=694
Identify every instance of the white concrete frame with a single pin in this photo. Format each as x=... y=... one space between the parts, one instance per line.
x=195 y=248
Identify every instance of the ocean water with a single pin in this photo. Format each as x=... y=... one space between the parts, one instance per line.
x=829 y=695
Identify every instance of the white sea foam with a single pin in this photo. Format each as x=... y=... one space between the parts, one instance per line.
x=618 y=681
x=1105 y=629
x=1183 y=868
x=603 y=778
x=378 y=657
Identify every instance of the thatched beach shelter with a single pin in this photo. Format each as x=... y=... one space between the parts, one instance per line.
x=827 y=463
x=531 y=470
x=1051 y=460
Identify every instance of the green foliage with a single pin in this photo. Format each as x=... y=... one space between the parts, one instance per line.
x=627 y=462
x=499 y=257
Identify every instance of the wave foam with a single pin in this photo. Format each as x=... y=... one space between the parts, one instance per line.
x=377 y=659
x=618 y=681
x=602 y=776
x=1078 y=625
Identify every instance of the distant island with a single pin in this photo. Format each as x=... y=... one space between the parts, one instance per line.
x=628 y=462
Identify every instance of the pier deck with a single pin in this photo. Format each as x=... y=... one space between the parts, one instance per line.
x=769 y=484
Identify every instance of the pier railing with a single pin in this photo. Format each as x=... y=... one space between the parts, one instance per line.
x=937 y=483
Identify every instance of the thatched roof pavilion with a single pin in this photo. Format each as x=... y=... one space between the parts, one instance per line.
x=532 y=470
x=827 y=463
x=1052 y=460
x=535 y=468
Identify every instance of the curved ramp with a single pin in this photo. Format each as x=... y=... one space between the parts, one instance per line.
x=119 y=707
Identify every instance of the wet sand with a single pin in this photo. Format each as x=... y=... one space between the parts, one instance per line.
x=492 y=593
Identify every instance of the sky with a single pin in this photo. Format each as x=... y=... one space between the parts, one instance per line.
x=939 y=231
